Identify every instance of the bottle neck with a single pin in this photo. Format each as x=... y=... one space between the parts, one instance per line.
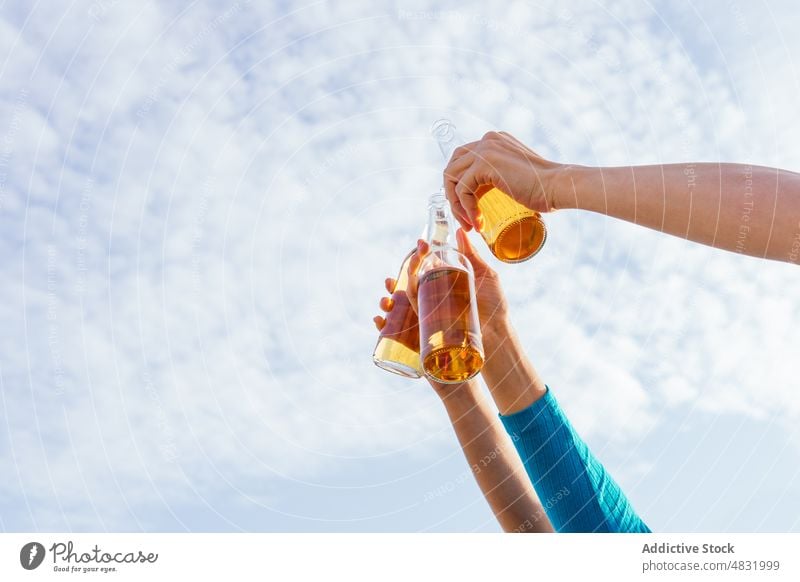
x=444 y=132
x=440 y=222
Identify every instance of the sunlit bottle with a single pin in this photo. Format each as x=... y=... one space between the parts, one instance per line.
x=450 y=338
x=398 y=344
x=513 y=232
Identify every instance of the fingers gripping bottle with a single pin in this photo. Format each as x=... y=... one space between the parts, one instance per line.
x=450 y=338
x=397 y=350
x=513 y=232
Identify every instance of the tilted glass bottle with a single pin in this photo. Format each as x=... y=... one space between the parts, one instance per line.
x=513 y=232
x=450 y=337
x=397 y=350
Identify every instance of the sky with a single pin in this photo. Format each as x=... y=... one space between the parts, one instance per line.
x=199 y=203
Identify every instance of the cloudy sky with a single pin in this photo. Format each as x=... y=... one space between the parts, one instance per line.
x=199 y=203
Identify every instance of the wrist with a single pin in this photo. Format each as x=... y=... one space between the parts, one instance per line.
x=510 y=376
x=461 y=394
x=496 y=331
x=496 y=335
x=501 y=349
x=565 y=186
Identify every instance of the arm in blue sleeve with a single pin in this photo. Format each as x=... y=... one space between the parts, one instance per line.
x=576 y=491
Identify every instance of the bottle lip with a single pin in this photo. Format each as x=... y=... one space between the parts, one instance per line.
x=443 y=129
x=437 y=198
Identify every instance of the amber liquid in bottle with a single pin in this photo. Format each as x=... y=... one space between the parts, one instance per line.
x=451 y=345
x=398 y=344
x=513 y=232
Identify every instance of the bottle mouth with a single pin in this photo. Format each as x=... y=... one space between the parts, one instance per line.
x=443 y=129
x=437 y=198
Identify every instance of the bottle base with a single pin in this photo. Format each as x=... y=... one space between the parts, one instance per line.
x=453 y=365
x=398 y=368
x=520 y=241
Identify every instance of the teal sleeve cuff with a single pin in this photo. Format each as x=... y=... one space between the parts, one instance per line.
x=525 y=419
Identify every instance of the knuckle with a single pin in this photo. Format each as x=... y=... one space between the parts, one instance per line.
x=464 y=196
x=490 y=156
x=491 y=135
x=484 y=150
x=460 y=151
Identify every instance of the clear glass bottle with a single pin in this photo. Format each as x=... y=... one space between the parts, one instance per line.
x=397 y=349
x=513 y=232
x=450 y=336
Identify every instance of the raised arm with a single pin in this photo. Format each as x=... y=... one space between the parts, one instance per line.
x=576 y=491
x=746 y=209
x=492 y=459
x=490 y=455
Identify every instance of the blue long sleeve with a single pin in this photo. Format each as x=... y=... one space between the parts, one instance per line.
x=576 y=491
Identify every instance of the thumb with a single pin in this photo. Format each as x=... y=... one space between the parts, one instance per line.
x=465 y=246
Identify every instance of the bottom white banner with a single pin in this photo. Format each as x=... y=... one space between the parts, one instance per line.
x=377 y=557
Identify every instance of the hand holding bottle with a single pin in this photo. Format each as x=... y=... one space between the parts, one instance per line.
x=491 y=300
x=492 y=303
x=397 y=350
x=498 y=160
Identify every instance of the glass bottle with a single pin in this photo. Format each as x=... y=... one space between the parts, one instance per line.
x=397 y=349
x=513 y=232
x=450 y=336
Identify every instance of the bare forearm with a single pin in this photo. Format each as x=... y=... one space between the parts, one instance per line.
x=509 y=374
x=493 y=460
x=746 y=209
